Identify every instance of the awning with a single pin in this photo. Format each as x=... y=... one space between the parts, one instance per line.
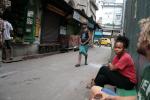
x=56 y=10
x=77 y=16
x=59 y=6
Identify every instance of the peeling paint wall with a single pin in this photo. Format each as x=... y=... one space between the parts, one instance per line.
x=135 y=10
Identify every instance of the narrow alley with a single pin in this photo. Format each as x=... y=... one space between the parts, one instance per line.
x=52 y=77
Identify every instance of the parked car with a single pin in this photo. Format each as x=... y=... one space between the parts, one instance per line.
x=105 y=41
x=97 y=35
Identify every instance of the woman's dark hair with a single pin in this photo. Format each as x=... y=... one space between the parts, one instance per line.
x=124 y=40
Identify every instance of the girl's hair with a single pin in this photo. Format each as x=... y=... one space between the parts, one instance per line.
x=145 y=28
x=123 y=40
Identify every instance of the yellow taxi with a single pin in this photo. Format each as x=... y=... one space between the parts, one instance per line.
x=105 y=41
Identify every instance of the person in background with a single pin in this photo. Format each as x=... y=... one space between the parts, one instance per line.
x=143 y=48
x=85 y=38
x=1 y=40
x=1 y=29
x=7 y=32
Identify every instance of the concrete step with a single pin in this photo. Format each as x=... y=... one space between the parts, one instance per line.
x=15 y=59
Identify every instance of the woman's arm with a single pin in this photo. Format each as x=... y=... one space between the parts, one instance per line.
x=89 y=34
x=112 y=67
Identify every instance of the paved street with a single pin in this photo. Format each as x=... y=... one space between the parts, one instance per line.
x=51 y=78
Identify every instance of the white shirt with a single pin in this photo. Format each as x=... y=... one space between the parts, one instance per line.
x=7 y=28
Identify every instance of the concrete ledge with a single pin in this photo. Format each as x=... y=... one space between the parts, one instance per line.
x=40 y=55
x=21 y=58
x=15 y=59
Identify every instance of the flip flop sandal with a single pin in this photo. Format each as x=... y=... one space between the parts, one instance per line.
x=77 y=65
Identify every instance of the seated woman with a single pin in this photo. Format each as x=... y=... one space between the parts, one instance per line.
x=121 y=72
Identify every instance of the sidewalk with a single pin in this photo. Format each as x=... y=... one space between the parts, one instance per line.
x=21 y=58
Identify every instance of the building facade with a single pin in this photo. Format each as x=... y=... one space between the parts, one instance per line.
x=84 y=11
x=111 y=13
x=88 y=6
x=44 y=26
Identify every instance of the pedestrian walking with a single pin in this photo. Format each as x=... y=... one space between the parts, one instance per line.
x=85 y=38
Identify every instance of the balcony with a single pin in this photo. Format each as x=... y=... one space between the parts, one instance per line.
x=94 y=4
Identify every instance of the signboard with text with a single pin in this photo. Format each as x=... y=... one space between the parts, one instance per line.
x=79 y=17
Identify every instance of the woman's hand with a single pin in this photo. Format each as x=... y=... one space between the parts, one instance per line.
x=110 y=65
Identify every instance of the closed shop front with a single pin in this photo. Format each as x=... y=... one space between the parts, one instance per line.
x=50 y=27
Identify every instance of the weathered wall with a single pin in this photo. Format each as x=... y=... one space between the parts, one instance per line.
x=135 y=10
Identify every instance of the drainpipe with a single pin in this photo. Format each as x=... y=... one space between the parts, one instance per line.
x=123 y=17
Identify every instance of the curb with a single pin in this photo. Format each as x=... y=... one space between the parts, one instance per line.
x=22 y=58
x=39 y=55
